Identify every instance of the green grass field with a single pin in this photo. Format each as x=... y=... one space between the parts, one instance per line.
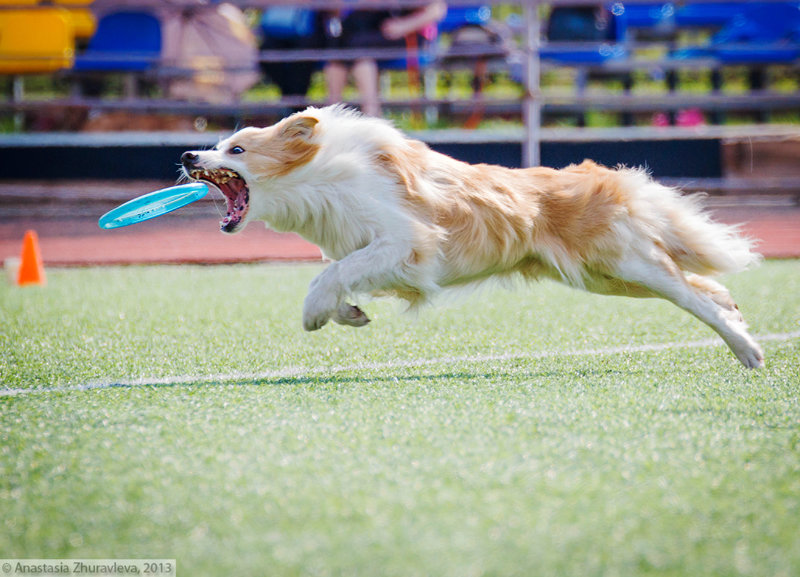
x=181 y=412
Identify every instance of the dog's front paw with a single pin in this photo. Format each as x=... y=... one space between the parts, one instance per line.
x=314 y=322
x=317 y=312
x=350 y=315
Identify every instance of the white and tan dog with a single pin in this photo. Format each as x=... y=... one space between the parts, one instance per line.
x=400 y=219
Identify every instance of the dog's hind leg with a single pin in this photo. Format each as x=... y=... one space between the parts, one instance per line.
x=705 y=299
x=717 y=293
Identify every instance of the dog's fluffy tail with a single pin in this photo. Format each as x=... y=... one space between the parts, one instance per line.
x=686 y=231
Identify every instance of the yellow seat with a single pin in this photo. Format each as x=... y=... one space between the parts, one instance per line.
x=83 y=20
x=84 y=23
x=35 y=41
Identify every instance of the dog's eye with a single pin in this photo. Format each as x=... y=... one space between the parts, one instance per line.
x=236 y=150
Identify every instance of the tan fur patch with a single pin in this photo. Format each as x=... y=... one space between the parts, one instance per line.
x=579 y=205
x=279 y=149
x=496 y=220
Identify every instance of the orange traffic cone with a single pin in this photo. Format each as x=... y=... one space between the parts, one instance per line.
x=31 y=267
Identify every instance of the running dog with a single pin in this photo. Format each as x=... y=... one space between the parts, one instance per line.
x=397 y=218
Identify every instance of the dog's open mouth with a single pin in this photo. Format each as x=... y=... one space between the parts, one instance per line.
x=233 y=188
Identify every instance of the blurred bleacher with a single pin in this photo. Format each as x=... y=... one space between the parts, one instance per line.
x=544 y=73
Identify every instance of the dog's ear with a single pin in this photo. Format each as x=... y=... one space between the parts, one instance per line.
x=300 y=127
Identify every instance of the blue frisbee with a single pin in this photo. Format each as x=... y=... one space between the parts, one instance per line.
x=153 y=204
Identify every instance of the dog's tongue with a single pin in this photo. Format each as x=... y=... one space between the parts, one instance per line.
x=236 y=196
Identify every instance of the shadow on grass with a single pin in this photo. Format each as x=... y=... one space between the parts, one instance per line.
x=575 y=374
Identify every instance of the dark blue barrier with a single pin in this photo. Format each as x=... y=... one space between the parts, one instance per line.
x=688 y=158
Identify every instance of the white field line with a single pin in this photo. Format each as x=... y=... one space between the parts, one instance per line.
x=301 y=371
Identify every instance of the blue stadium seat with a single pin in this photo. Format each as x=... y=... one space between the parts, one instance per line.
x=460 y=16
x=757 y=33
x=125 y=42
x=578 y=24
x=765 y=33
x=706 y=14
x=657 y=15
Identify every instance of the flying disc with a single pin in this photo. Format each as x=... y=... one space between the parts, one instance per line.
x=153 y=204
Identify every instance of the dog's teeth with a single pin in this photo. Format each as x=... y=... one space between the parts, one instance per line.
x=218 y=175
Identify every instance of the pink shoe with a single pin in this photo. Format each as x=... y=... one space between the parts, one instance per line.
x=690 y=117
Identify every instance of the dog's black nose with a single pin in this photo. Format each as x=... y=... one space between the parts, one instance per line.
x=188 y=158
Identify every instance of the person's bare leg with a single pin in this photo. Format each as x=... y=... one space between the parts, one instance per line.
x=335 y=80
x=365 y=73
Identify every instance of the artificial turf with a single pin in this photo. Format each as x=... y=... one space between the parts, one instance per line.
x=181 y=412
